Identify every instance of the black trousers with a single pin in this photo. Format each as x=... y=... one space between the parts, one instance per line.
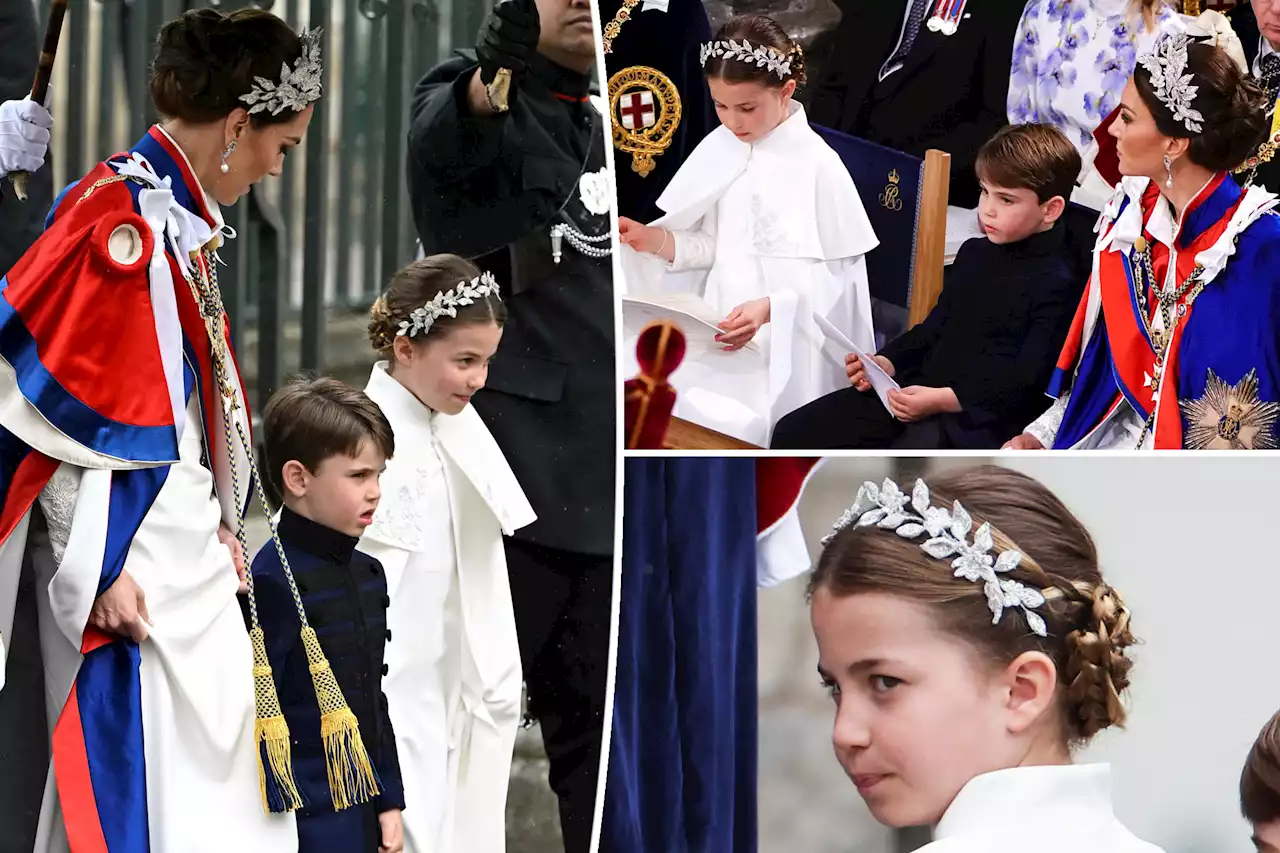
x=563 y=603
x=850 y=418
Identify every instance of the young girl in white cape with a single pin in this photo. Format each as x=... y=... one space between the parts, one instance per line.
x=970 y=642
x=764 y=223
x=453 y=680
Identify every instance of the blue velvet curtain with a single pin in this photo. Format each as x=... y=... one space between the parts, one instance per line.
x=682 y=762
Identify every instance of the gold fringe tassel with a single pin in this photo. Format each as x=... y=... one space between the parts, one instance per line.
x=352 y=779
x=275 y=764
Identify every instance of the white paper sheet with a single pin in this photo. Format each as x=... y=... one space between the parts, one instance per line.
x=881 y=382
x=693 y=315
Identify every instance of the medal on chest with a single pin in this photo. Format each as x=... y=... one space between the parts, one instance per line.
x=645 y=108
x=946 y=16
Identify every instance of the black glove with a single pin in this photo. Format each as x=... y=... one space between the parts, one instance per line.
x=508 y=38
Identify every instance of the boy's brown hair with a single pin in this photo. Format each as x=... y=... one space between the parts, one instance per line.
x=1260 y=781
x=1036 y=157
x=311 y=419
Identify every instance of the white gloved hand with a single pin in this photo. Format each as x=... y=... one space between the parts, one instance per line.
x=24 y=135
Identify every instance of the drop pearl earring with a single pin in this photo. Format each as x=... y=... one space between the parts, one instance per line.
x=1168 y=170
x=224 y=168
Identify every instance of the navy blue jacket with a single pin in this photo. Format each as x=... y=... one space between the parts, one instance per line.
x=345 y=596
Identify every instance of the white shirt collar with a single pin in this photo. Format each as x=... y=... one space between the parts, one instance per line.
x=658 y=5
x=1032 y=798
x=388 y=393
x=214 y=210
x=795 y=122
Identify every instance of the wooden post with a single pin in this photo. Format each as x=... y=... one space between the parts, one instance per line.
x=931 y=235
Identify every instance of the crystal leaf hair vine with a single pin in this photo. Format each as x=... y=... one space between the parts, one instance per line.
x=447 y=302
x=1167 y=64
x=886 y=507
x=742 y=51
x=297 y=87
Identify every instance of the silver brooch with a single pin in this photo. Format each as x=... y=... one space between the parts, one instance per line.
x=446 y=304
x=297 y=87
x=888 y=508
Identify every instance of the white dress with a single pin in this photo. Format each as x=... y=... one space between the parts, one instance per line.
x=453 y=682
x=196 y=665
x=1045 y=809
x=778 y=218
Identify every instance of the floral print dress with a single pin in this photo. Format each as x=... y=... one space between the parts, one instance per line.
x=1072 y=59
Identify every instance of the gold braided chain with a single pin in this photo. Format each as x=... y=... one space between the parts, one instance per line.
x=614 y=27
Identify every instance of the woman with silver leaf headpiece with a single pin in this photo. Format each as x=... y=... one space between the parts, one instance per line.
x=1174 y=344
x=129 y=467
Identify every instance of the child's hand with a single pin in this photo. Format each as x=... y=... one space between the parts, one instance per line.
x=226 y=537
x=392 y=832
x=857 y=374
x=743 y=323
x=642 y=238
x=918 y=402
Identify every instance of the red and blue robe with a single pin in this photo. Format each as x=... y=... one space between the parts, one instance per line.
x=1220 y=382
x=82 y=380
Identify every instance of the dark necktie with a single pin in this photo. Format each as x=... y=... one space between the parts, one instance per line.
x=1269 y=66
x=909 y=33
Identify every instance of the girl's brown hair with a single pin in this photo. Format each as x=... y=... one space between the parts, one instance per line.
x=1234 y=108
x=760 y=31
x=415 y=286
x=208 y=59
x=1260 y=781
x=1087 y=621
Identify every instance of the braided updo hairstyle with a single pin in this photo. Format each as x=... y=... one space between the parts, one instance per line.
x=416 y=285
x=1087 y=621
x=1260 y=780
x=1234 y=107
x=208 y=59
x=760 y=31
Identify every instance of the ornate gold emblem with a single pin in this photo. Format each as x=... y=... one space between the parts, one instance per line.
x=614 y=27
x=1230 y=417
x=890 y=199
x=645 y=107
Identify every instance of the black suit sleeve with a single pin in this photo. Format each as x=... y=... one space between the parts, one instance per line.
x=909 y=350
x=445 y=139
x=994 y=385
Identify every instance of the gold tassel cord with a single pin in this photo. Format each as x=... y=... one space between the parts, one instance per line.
x=352 y=779
x=271 y=735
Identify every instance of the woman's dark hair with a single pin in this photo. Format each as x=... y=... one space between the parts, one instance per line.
x=1234 y=108
x=415 y=286
x=207 y=60
x=760 y=31
x=1087 y=621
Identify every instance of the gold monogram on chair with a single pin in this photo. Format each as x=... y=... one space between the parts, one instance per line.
x=645 y=106
x=890 y=199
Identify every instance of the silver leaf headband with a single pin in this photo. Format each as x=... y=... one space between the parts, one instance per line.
x=886 y=507
x=447 y=302
x=297 y=87
x=1167 y=64
x=742 y=51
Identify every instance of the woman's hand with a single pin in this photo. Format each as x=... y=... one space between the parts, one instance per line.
x=743 y=323
x=857 y=373
x=226 y=537
x=642 y=238
x=122 y=610
x=1025 y=441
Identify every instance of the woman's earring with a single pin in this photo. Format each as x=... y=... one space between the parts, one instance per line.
x=224 y=168
x=1168 y=170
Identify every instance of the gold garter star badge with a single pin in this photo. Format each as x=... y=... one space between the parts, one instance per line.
x=1230 y=417
x=645 y=105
